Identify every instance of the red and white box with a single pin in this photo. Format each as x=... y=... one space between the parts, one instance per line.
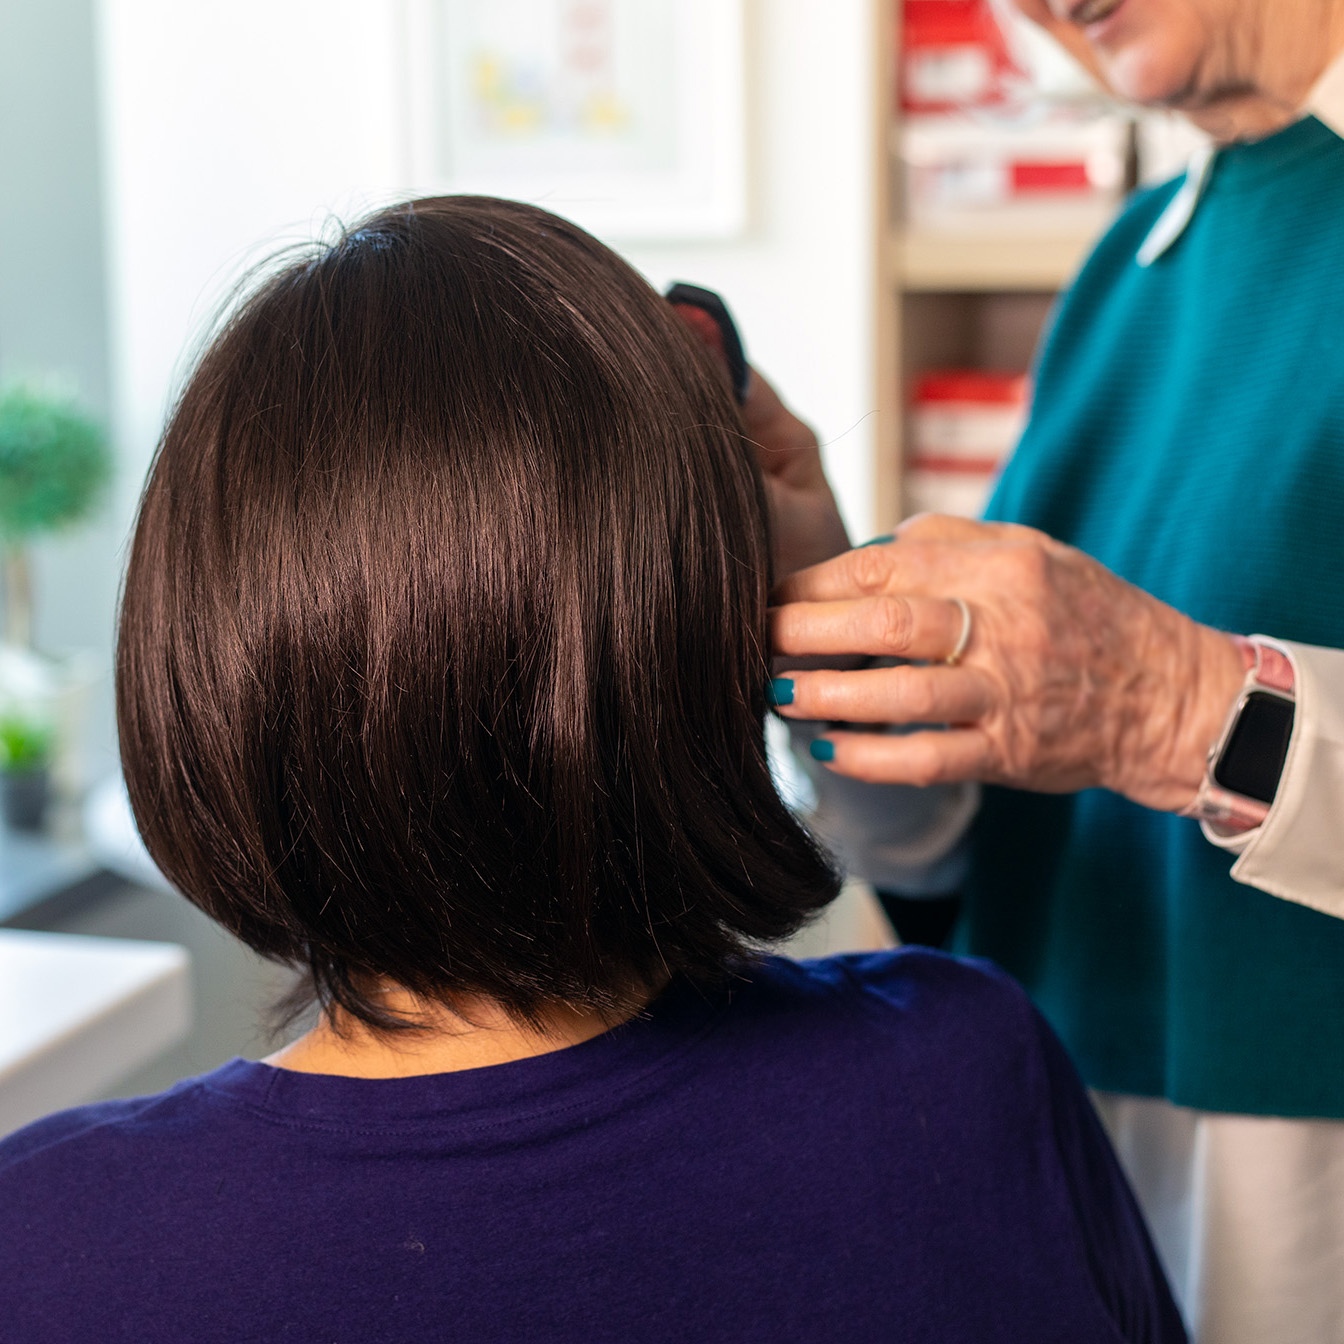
x=953 y=55
x=963 y=424
x=963 y=172
x=981 y=142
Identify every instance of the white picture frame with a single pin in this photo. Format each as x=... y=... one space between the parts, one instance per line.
x=627 y=116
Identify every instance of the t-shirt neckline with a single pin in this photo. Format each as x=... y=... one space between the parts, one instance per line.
x=674 y=1021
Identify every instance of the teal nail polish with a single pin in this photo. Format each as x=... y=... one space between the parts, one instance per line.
x=878 y=541
x=821 y=749
x=780 y=691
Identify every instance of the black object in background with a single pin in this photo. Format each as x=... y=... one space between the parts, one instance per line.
x=920 y=921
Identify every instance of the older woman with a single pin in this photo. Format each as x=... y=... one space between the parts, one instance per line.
x=1188 y=433
x=441 y=676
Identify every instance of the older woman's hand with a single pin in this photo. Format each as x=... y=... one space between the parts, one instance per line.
x=1072 y=678
x=805 y=524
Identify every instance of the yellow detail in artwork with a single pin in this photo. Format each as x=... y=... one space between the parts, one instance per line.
x=505 y=110
x=487 y=79
x=518 y=117
x=605 y=112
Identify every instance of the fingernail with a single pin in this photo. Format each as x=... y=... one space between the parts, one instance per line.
x=780 y=691
x=821 y=749
x=878 y=541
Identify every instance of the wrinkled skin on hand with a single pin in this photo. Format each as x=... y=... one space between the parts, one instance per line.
x=1072 y=678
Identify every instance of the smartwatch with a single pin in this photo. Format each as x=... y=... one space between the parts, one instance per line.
x=1246 y=762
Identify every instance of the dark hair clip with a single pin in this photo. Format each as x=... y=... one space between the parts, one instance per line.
x=683 y=296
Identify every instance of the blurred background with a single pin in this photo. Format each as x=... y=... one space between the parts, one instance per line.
x=889 y=195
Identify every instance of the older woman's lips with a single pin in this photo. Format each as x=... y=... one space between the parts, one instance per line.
x=1090 y=12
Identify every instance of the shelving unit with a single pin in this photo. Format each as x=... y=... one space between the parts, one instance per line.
x=950 y=296
x=928 y=262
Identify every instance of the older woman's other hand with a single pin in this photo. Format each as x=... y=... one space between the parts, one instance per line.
x=805 y=524
x=1072 y=678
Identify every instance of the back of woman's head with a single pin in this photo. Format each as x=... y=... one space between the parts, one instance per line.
x=442 y=648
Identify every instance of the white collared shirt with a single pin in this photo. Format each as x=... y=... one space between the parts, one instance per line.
x=1297 y=852
x=1326 y=99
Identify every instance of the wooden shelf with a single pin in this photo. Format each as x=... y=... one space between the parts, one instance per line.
x=972 y=292
x=925 y=261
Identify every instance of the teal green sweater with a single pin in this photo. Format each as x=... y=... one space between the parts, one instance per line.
x=1188 y=431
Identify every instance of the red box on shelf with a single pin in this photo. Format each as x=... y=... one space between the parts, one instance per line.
x=963 y=424
x=953 y=55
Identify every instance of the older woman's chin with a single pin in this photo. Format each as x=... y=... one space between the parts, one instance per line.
x=1159 y=68
x=1145 y=51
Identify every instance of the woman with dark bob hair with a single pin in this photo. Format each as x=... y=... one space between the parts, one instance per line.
x=442 y=676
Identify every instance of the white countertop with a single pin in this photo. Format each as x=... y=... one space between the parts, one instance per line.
x=79 y=1014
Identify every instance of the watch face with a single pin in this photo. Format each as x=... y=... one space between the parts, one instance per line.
x=1252 y=760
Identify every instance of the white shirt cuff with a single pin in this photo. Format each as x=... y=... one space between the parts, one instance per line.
x=1297 y=852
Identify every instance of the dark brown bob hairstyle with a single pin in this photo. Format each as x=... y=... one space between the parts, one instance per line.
x=442 y=650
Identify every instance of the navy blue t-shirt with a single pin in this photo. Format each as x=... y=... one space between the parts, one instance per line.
x=887 y=1147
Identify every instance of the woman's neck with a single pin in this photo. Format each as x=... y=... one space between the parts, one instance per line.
x=1268 y=73
x=478 y=1034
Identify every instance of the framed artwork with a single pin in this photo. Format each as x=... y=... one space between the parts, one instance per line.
x=627 y=116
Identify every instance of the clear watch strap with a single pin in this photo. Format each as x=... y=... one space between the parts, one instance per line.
x=1269 y=668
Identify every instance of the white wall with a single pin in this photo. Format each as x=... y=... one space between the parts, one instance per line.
x=228 y=128
x=799 y=283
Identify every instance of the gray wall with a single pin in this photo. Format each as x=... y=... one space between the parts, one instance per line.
x=53 y=303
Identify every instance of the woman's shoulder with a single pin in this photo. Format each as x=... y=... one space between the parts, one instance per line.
x=898 y=980
x=100 y=1139
x=952 y=1013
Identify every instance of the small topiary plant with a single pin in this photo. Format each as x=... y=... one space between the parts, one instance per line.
x=54 y=464
x=25 y=745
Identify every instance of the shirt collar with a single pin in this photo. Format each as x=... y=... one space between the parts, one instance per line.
x=1325 y=102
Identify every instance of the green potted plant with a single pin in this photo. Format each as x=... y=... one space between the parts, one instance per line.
x=54 y=465
x=26 y=749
